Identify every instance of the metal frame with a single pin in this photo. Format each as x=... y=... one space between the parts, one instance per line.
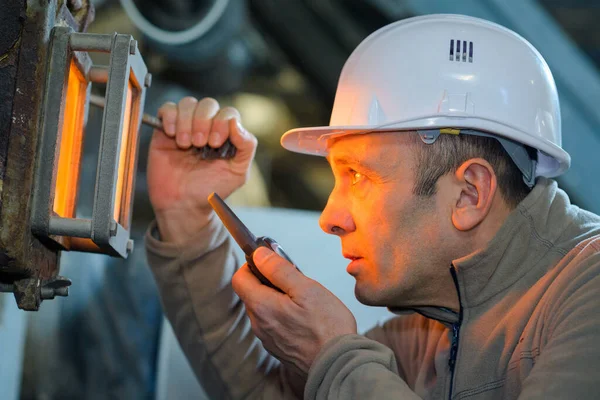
x=126 y=65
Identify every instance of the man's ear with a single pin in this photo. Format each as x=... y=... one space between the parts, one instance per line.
x=477 y=183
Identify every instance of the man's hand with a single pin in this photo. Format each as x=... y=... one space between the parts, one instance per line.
x=179 y=181
x=293 y=326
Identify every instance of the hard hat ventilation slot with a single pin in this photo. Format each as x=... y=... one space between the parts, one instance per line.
x=457 y=55
x=458 y=50
x=470 y=52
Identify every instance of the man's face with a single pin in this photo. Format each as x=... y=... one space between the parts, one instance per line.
x=394 y=239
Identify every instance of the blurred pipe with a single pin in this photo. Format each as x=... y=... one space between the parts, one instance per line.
x=157 y=34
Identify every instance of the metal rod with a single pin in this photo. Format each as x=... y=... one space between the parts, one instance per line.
x=70 y=227
x=91 y=41
x=147 y=119
x=98 y=74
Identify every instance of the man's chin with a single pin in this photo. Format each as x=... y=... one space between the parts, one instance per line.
x=367 y=296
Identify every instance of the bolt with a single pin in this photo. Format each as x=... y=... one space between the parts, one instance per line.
x=133 y=47
x=130 y=246
x=75 y=5
x=58 y=286
x=113 y=228
x=148 y=80
x=49 y=293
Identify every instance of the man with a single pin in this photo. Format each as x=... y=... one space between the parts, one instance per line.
x=444 y=134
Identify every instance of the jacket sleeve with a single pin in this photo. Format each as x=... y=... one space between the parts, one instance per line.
x=209 y=319
x=568 y=366
x=356 y=367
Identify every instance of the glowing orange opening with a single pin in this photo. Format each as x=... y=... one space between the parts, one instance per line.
x=127 y=155
x=69 y=159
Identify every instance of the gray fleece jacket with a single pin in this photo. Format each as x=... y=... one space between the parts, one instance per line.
x=528 y=327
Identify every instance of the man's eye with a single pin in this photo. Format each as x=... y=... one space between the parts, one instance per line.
x=356 y=177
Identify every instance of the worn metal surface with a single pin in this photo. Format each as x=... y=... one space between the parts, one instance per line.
x=19 y=255
x=27 y=293
x=23 y=254
x=50 y=130
x=11 y=25
x=25 y=262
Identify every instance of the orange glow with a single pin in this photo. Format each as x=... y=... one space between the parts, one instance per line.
x=85 y=245
x=71 y=140
x=127 y=155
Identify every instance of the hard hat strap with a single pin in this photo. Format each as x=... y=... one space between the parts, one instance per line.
x=524 y=157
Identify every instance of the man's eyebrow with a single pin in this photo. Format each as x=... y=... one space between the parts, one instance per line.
x=348 y=159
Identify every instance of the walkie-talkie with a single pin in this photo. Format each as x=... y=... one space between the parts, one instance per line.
x=244 y=238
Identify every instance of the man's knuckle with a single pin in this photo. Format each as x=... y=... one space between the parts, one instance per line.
x=261 y=310
x=312 y=292
x=230 y=111
x=302 y=296
x=168 y=109
x=227 y=113
x=187 y=100
x=209 y=101
x=252 y=140
x=268 y=325
x=206 y=109
x=169 y=105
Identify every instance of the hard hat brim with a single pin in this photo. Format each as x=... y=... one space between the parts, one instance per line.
x=552 y=160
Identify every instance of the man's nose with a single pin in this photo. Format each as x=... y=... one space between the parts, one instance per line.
x=336 y=218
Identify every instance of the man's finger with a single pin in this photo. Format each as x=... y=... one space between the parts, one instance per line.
x=248 y=287
x=220 y=126
x=185 y=114
x=244 y=141
x=279 y=271
x=206 y=109
x=168 y=114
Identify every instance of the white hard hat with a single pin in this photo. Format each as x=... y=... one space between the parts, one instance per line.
x=436 y=72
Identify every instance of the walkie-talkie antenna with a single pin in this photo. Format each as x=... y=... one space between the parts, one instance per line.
x=244 y=238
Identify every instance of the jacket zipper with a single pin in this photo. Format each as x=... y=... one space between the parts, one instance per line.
x=455 y=334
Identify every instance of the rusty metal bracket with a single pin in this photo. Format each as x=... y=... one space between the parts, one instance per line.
x=26 y=262
x=29 y=293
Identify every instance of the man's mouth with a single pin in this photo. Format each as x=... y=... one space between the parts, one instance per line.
x=355 y=264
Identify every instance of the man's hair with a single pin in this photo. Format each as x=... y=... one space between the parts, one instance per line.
x=448 y=152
